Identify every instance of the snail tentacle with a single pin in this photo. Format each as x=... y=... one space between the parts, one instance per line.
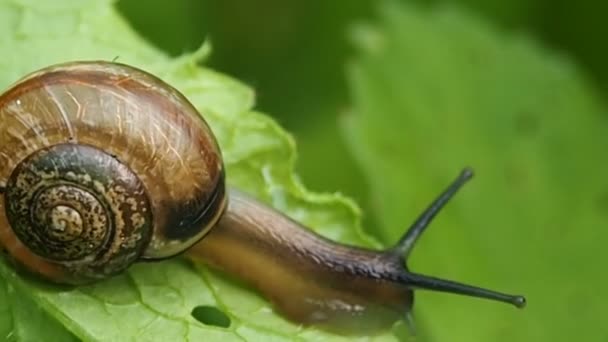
x=407 y=242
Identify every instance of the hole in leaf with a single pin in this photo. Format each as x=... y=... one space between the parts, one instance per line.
x=210 y=315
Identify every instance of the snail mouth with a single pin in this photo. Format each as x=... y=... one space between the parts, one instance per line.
x=187 y=226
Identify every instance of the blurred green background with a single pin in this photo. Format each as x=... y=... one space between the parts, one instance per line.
x=293 y=53
x=549 y=209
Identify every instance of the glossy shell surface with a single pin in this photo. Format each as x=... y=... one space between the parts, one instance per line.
x=137 y=120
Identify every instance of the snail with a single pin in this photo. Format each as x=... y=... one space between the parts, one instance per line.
x=103 y=165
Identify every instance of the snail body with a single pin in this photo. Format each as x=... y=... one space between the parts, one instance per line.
x=103 y=165
x=309 y=279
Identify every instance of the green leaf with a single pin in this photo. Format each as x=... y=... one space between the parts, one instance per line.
x=436 y=90
x=23 y=320
x=153 y=302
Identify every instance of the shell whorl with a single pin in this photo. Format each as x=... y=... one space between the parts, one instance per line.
x=77 y=205
x=137 y=123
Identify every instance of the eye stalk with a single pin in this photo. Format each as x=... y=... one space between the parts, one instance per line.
x=406 y=244
x=409 y=239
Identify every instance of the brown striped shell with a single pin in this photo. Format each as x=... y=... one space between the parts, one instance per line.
x=102 y=164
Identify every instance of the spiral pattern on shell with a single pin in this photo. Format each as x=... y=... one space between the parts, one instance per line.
x=102 y=164
x=77 y=205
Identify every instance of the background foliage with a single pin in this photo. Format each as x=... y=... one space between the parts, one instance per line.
x=386 y=101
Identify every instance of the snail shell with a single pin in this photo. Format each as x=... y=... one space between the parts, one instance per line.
x=102 y=164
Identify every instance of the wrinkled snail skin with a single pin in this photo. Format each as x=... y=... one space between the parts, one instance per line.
x=309 y=279
x=314 y=281
x=103 y=165
x=135 y=149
